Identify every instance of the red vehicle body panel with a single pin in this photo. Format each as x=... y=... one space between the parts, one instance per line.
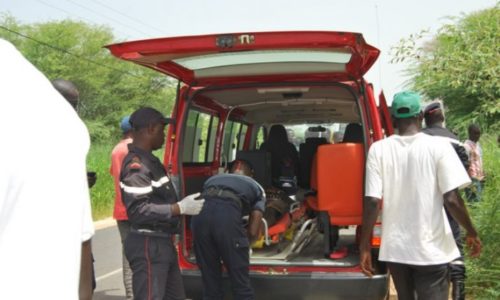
x=386 y=116
x=158 y=54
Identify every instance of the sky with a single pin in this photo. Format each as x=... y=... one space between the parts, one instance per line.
x=383 y=23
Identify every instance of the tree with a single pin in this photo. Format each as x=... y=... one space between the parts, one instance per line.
x=459 y=65
x=109 y=88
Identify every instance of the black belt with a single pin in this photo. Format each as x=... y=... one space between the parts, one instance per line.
x=222 y=193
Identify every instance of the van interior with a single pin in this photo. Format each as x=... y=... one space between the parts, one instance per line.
x=324 y=122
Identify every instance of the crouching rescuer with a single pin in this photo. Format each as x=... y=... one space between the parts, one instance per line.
x=153 y=211
x=219 y=234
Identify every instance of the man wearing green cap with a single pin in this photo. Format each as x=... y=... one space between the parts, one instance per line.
x=413 y=173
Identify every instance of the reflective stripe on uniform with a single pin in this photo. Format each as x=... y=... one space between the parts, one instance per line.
x=136 y=190
x=160 y=182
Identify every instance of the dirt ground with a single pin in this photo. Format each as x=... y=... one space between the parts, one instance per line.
x=392 y=291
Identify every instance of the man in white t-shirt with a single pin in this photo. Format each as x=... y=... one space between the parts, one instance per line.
x=87 y=275
x=45 y=212
x=415 y=174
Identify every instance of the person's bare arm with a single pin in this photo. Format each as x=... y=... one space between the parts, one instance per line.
x=370 y=214
x=85 y=289
x=455 y=205
x=254 y=225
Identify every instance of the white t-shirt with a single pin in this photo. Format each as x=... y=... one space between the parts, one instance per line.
x=44 y=200
x=411 y=174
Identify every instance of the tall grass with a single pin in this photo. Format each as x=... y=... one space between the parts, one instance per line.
x=483 y=274
x=102 y=193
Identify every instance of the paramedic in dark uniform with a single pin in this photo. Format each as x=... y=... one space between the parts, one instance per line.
x=153 y=212
x=219 y=234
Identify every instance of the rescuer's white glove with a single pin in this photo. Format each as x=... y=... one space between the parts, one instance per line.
x=190 y=206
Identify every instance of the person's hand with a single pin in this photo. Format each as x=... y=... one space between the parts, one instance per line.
x=474 y=245
x=190 y=206
x=365 y=262
x=91 y=178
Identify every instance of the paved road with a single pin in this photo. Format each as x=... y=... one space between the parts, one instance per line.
x=106 y=247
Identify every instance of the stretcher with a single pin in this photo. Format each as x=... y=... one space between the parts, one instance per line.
x=293 y=227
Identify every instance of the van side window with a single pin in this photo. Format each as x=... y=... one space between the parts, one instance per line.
x=242 y=134
x=234 y=139
x=199 y=138
x=260 y=138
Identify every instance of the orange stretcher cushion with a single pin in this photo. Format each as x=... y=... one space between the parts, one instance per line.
x=281 y=226
x=298 y=213
x=339 y=176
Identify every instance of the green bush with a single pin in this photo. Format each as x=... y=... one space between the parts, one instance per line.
x=459 y=65
x=109 y=88
x=483 y=274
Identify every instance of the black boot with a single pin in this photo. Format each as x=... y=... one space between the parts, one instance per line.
x=457 y=290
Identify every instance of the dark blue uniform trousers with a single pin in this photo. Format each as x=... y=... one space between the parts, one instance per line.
x=218 y=234
x=155 y=269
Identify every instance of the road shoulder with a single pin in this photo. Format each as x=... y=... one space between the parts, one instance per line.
x=101 y=224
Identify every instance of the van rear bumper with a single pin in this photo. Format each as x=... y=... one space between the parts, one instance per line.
x=298 y=286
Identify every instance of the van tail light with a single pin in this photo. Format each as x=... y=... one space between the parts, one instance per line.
x=376 y=235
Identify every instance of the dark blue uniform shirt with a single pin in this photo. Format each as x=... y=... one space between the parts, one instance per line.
x=147 y=192
x=439 y=131
x=250 y=193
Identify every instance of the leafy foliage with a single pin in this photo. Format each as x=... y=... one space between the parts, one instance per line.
x=109 y=88
x=483 y=274
x=460 y=65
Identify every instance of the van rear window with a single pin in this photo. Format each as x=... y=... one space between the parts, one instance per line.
x=266 y=62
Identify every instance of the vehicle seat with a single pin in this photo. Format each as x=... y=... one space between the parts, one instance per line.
x=307 y=151
x=284 y=158
x=353 y=133
x=338 y=179
x=261 y=164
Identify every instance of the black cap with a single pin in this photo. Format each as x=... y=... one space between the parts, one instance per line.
x=429 y=109
x=143 y=117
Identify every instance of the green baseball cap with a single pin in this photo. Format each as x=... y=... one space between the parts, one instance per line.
x=406 y=105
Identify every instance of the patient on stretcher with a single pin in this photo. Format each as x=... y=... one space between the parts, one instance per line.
x=282 y=216
x=277 y=204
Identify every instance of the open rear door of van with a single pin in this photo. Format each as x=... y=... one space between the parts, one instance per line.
x=244 y=57
x=385 y=115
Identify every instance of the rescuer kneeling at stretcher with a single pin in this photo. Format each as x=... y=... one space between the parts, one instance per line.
x=218 y=231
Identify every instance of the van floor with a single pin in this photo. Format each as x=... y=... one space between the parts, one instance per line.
x=310 y=255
